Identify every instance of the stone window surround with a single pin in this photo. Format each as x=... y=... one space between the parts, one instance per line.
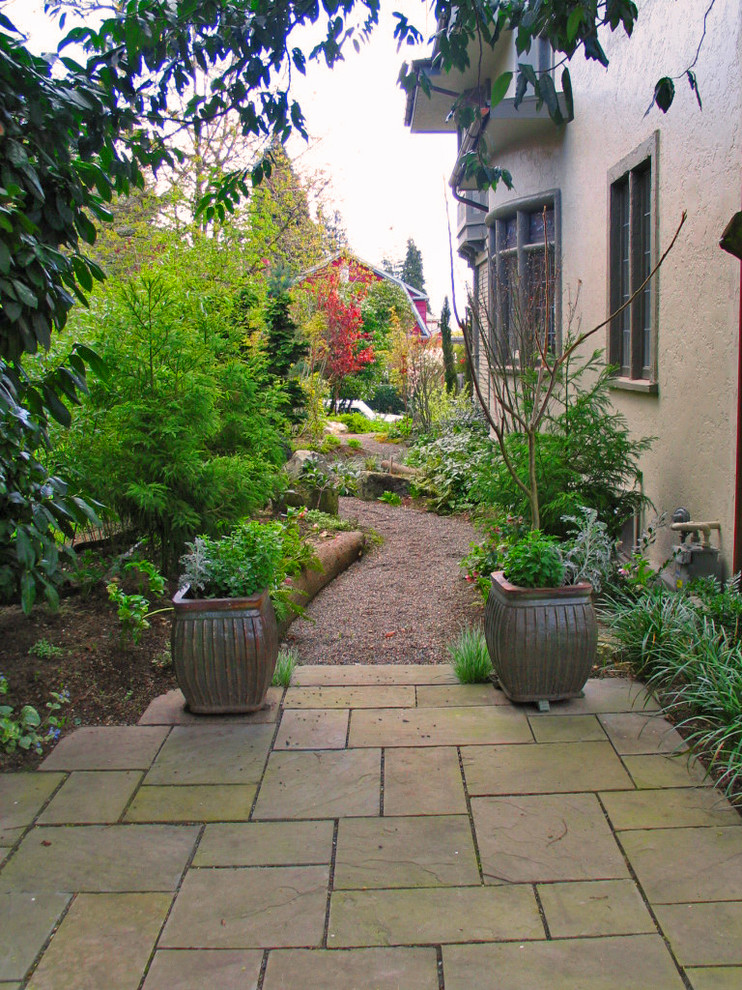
x=648 y=150
x=550 y=198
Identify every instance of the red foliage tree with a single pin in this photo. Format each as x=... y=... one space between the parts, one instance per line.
x=337 y=293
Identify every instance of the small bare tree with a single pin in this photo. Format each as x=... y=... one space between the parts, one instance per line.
x=524 y=364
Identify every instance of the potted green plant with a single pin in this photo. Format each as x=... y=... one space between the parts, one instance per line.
x=224 y=636
x=541 y=634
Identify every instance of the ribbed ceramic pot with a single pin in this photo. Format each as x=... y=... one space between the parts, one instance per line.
x=224 y=651
x=542 y=641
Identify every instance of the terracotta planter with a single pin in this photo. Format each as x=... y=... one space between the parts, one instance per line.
x=224 y=651
x=542 y=641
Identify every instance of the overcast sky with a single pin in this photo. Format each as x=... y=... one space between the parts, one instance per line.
x=387 y=184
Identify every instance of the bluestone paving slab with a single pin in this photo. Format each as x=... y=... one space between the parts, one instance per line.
x=603 y=694
x=265 y=844
x=204 y=969
x=382 y=696
x=634 y=732
x=26 y=922
x=543 y=768
x=637 y=962
x=105 y=940
x=438 y=727
x=22 y=796
x=567 y=728
x=704 y=934
x=662 y=770
x=423 y=782
x=321 y=784
x=358 y=673
x=109 y=747
x=169 y=709
x=669 y=808
x=193 y=803
x=715 y=978
x=212 y=754
x=686 y=864
x=545 y=837
x=90 y=797
x=598 y=907
x=444 y=914
x=325 y=728
x=429 y=851
x=359 y=969
x=99 y=858
x=249 y=908
x=453 y=695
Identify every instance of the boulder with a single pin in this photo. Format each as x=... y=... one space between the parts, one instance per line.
x=299 y=461
x=373 y=484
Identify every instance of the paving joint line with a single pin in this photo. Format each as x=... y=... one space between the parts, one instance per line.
x=330 y=885
x=645 y=899
x=470 y=815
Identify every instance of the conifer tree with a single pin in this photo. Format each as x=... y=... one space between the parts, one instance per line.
x=412 y=267
x=449 y=368
x=285 y=347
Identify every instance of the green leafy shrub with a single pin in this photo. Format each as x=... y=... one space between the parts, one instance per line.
x=329 y=443
x=358 y=423
x=390 y=498
x=354 y=444
x=26 y=729
x=451 y=460
x=187 y=434
x=317 y=520
x=469 y=657
x=585 y=457
x=589 y=554
x=534 y=561
x=236 y=565
x=45 y=650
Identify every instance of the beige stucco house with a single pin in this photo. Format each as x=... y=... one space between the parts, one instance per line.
x=615 y=180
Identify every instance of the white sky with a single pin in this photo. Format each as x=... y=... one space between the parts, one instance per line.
x=387 y=183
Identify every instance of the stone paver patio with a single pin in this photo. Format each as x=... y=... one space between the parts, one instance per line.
x=380 y=828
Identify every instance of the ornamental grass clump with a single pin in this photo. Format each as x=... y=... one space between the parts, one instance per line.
x=469 y=657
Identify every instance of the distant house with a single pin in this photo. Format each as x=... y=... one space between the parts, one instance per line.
x=606 y=191
x=351 y=264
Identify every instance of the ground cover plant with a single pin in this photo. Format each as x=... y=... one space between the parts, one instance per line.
x=686 y=646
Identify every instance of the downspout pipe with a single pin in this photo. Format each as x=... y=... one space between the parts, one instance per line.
x=737 y=556
x=731 y=241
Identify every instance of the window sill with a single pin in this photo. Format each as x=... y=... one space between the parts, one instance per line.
x=635 y=385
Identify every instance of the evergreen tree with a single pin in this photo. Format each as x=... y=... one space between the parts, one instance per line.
x=412 y=267
x=285 y=347
x=448 y=358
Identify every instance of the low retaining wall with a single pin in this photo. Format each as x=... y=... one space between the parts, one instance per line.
x=335 y=556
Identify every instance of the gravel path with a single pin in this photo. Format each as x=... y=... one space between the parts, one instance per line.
x=403 y=602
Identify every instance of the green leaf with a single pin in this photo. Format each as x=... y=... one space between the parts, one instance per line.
x=500 y=87
x=694 y=87
x=547 y=92
x=664 y=93
x=573 y=23
x=93 y=359
x=568 y=97
x=24 y=549
x=4 y=258
x=56 y=407
x=28 y=591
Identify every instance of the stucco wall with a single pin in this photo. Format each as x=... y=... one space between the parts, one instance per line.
x=692 y=462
